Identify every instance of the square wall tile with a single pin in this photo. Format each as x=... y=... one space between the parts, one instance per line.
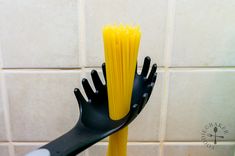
x=199 y=101
x=146 y=126
x=2 y=117
x=149 y=14
x=184 y=149
x=1 y=57
x=43 y=33
x=204 y=33
x=133 y=149
x=24 y=148
x=42 y=103
x=4 y=151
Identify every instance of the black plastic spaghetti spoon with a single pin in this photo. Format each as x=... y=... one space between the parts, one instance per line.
x=94 y=123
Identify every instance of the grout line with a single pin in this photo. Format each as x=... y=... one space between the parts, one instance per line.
x=163 y=113
x=82 y=41
x=167 y=59
x=4 y=143
x=101 y=142
x=82 y=33
x=7 y=115
x=41 y=71
x=96 y=67
x=84 y=69
x=40 y=68
x=200 y=143
x=6 y=112
x=202 y=67
x=28 y=143
x=82 y=36
x=130 y=143
x=169 y=32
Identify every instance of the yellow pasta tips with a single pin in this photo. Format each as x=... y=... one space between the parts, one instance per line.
x=121 y=45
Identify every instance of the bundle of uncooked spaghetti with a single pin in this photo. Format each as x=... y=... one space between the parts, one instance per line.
x=121 y=44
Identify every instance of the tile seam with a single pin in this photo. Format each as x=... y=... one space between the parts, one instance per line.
x=136 y=142
x=6 y=111
x=167 y=61
x=82 y=41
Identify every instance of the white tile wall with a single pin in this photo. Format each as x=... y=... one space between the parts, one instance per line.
x=41 y=33
x=4 y=151
x=195 y=149
x=197 y=98
x=204 y=33
x=22 y=149
x=57 y=42
x=138 y=130
x=134 y=149
x=149 y=14
x=42 y=103
x=3 y=136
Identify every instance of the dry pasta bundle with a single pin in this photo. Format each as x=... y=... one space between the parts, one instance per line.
x=121 y=44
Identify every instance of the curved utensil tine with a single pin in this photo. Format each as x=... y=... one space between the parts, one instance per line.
x=87 y=88
x=146 y=65
x=96 y=80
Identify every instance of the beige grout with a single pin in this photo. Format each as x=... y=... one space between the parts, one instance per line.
x=199 y=143
x=7 y=116
x=41 y=68
x=29 y=142
x=196 y=67
x=41 y=71
x=98 y=68
x=82 y=34
x=163 y=112
x=167 y=61
x=82 y=41
x=6 y=111
x=169 y=33
x=131 y=143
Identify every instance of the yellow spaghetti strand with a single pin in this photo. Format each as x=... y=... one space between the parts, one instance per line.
x=121 y=44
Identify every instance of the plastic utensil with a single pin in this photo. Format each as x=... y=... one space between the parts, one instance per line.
x=94 y=123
